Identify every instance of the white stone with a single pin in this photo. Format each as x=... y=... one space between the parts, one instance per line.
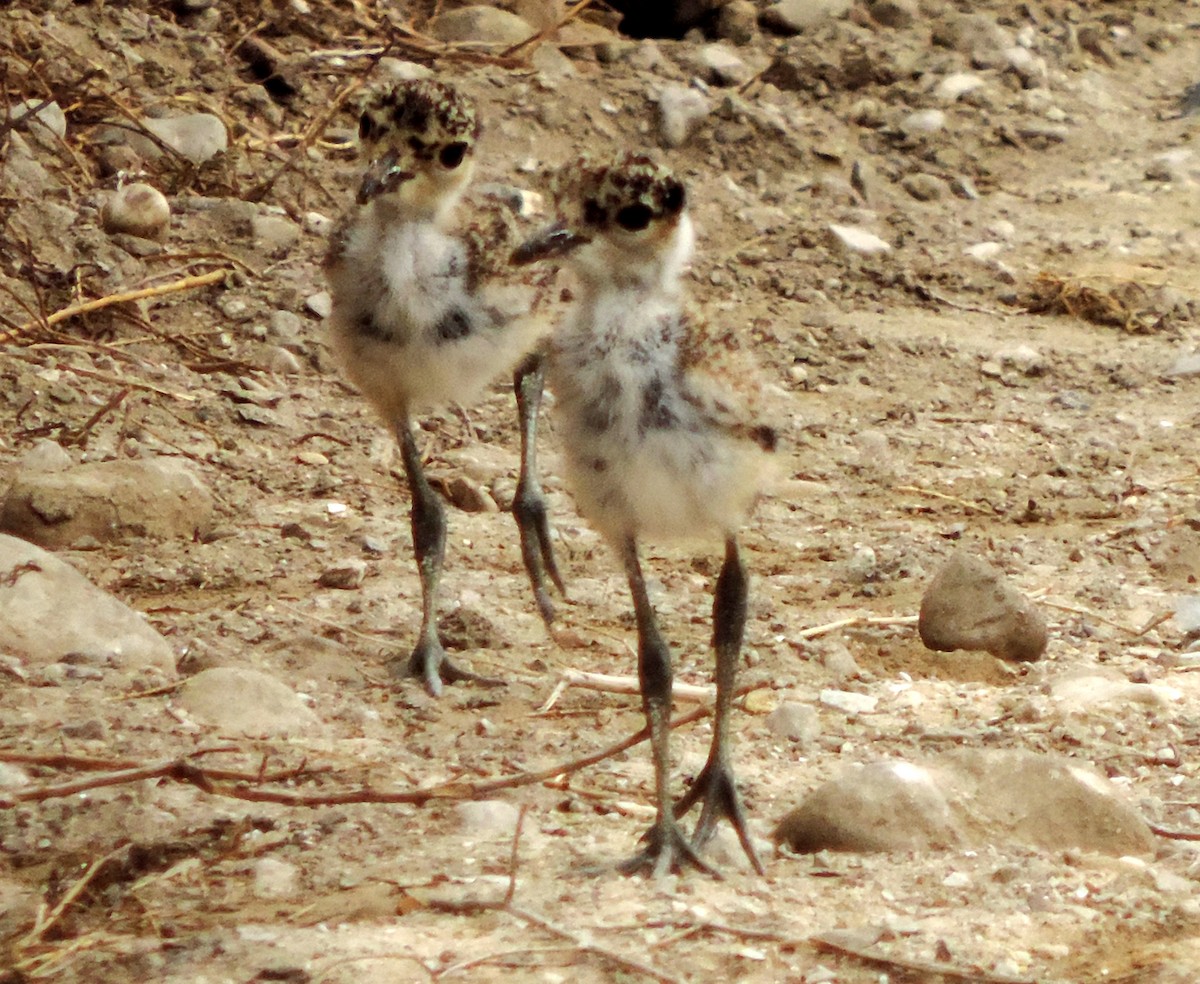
x=320 y=304
x=849 y=701
x=681 y=110
x=197 y=136
x=954 y=87
x=859 y=240
x=984 y=252
x=48 y=123
x=923 y=122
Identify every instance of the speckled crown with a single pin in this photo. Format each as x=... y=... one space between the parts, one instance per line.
x=630 y=190
x=423 y=113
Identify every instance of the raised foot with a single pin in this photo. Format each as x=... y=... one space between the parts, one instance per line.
x=533 y=523
x=667 y=850
x=716 y=789
x=430 y=664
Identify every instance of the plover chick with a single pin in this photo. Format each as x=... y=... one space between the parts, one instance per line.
x=655 y=447
x=415 y=323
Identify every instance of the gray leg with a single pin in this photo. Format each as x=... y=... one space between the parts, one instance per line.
x=529 y=504
x=428 y=661
x=667 y=848
x=715 y=784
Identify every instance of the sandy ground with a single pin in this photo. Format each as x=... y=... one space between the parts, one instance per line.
x=923 y=409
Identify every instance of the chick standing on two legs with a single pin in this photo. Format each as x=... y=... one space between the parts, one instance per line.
x=414 y=325
x=655 y=447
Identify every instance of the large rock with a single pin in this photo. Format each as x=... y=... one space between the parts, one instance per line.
x=49 y=611
x=108 y=500
x=969 y=798
x=245 y=702
x=197 y=136
x=970 y=605
x=798 y=16
x=481 y=24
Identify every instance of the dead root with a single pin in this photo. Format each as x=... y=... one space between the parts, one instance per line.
x=1133 y=307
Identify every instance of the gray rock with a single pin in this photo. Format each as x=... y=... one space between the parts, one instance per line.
x=885 y=806
x=197 y=136
x=245 y=702
x=46 y=456
x=968 y=798
x=47 y=126
x=552 y=63
x=681 y=111
x=647 y=57
x=976 y=35
x=345 y=576
x=840 y=663
x=49 y=611
x=398 y=70
x=970 y=605
x=481 y=24
x=1092 y=691
x=894 y=13
x=1028 y=67
x=924 y=187
x=849 y=701
x=108 y=500
x=721 y=66
x=737 y=21
x=276 y=234
x=798 y=16
x=795 y=722
x=469 y=496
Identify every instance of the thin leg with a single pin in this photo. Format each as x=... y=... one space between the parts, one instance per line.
x=667 y=848
x=428 y=660
x=529 y=504
x=715 y=784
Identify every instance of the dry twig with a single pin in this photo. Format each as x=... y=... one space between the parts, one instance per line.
x=86 y=307
x=834 y=943
x=234 y=784
x=609 y=684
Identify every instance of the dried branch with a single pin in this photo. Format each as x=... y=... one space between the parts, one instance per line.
x=44 y=923
x=834 y=942
x=609 y=684
x=854 y=621
x=247 y=786
x=86 y=307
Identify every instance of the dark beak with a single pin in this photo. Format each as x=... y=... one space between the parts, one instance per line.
x=548 y=245
x=382 y=176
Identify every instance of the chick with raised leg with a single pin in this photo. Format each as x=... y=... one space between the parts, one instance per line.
x=416 y=326
x=657 y=446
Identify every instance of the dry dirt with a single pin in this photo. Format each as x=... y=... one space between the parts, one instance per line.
x=913 y=424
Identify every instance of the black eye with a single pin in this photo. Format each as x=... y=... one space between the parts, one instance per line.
x=452 y=155
x=367 y=127
x=673 y=199
x=635 y=218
